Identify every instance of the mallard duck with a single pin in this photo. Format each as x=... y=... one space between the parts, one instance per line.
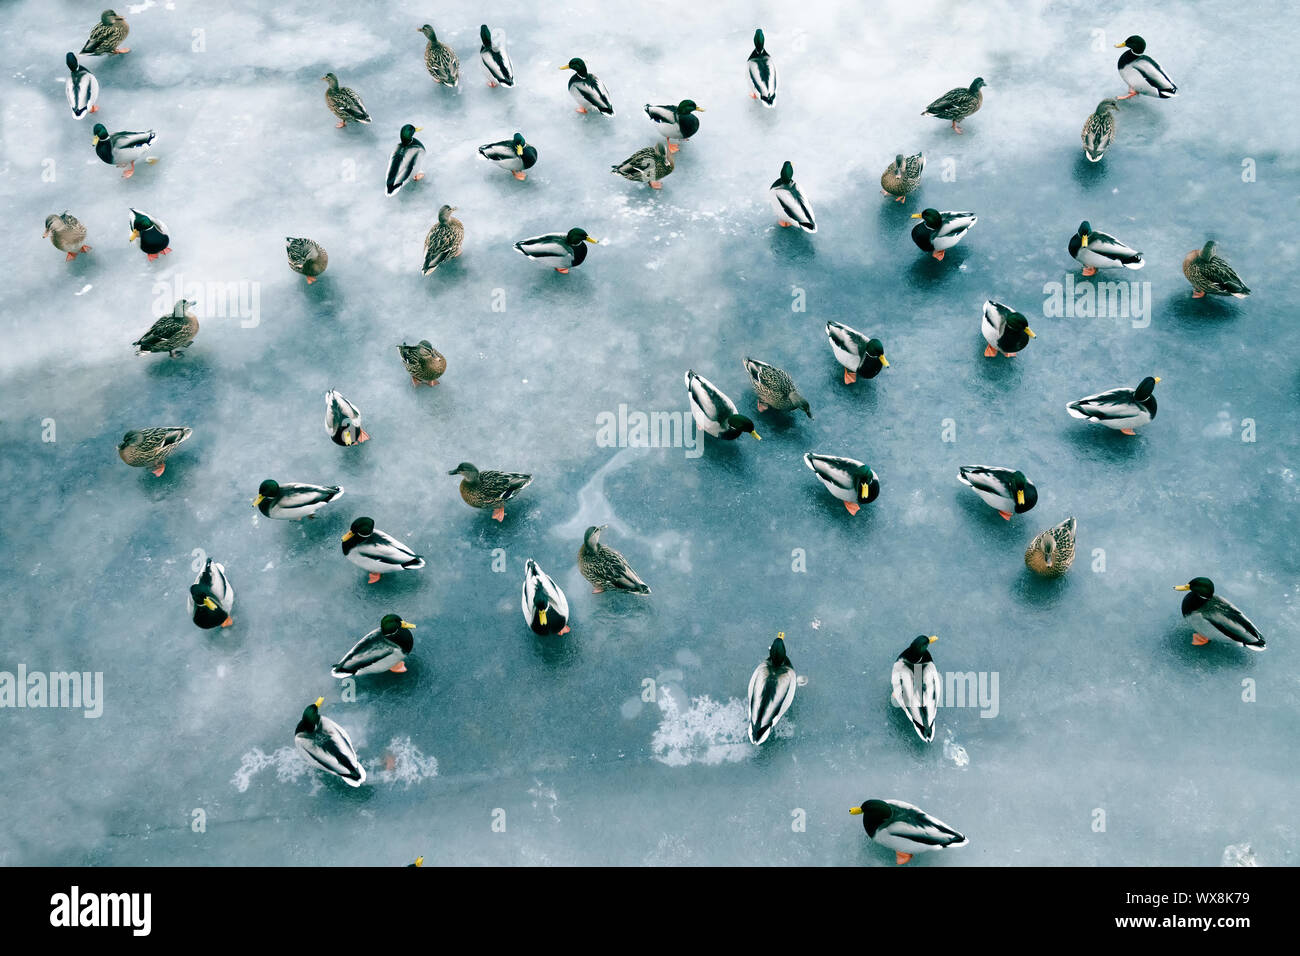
x=149 y=447
x=959 y=103
x=376 y=552
x=1099 y=130
x=443 y=240
x=762 y=72
x=344 y=102
x=1052 y=552
x=564 y=247
x=82 y=88
x=306 y=257
x=402 y=165
x=423 y=362
x=1096 y=250
x=171 y=332
x=937 y=232
x=1123 y=409
x=489 y=489
x=1005 y=330
x=905 y=829
x=771 y=691
x=1217 y=616
x=151 y=232
x=902 y=176
x=211 y=598
x=714 y=413
x=419 y=861
x=587 y=89
x=122 y=149
x=775 y=388
x=513 y=154
x=847 y=479
x=383 y=649
x=1002 y=488
x=107 y=36
x=293 y=500
x=343 y=420
x=1142 y=73
x=649 y=164
x=328 y=746
x=495 y=59
x=66 y=233
x=917 y=685
x=858 y=354
x=605 y=568
x=439 y=59
x=544 y=605
x=677 y=121
x=1207 y=272
x=791 y=208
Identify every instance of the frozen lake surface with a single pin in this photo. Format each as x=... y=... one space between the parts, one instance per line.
x=498 y=747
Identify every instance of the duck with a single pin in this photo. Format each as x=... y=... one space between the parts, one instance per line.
x=1123 y=409
x=762 y=72
x=66 y=233
x=1005 y=330
x=107 y=36
x=1005 y=489
x=343 y=420
x=905 y=829
x=151 y=232
x=563 y=247
x=677 y=121
x=1209 y=272
x=937 y=232
x=376 y=552
x=419 y=862
x=771 y=691
x=1219 y=616
x=791 y=208
x=439 y=59
x=293 y=500
x=587 y=90
x=328 y=746
x=495 y=59
x=1051 y=552
x=917 y=686
x=307 y=257
x=605 y=568
x=714 y=413
x=902 y=176
x=170 y=333
x=403 y=164
x=858 y=354
x=775 y=388
x=544 y=605
x=513 y=154
x=82 y=88
x=848 y=479
x=489 y=489
x=1099 y=130
x=423 y=362
x=149 y=447
x=344 y=102
x=1141 y=72
x=649 y=164
x=122 y=149
x=958 y=103
x=1097 y=250
x=211 y=597
x=383 y=649
x=443 y=240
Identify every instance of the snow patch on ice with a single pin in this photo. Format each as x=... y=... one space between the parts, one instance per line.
x=1239 y=855
x=707 y=732
x=402 y=762
x=287 y=763
x=955 y=752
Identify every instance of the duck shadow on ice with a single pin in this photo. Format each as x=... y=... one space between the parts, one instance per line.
x=1217 y=654
x=1039 y=591
x=1094 y=442
x=927 y=270
x=192 y=367
x=324 y=297
x=1086 y=173
x=558 y=651
x=791 y=244
x=1186 y=311
x=974 y=506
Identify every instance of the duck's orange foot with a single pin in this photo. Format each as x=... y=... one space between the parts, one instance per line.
x=310 y=279
x=901 y=858
x=1127 y=431
x=362 y=436
x=167 y=250
x=415 y=381
x=1128 y=96
x=228 y=621
x=418 y=177
x=85 y=248
x=938 y=255
x=852 y=507
x=499 y=514
x=595 y=590
x=398 y=668
x=1199 y=640
x=753 y=96
x=850 y=377
x=955 y=127
x=340 y=125
x=901 y=199
x=1090 y=270
x=762 y=407
x=565 y=630
x=94 y=109
x=990 y=351
x=374 y=577
x=672 y=148
x=159 y=470
x=563 y=272
x=1006 y=515
x=582 y=109
x=656 y=184
x=130 y=171
x=389 y=761
x=151 y=256
x=1011 y=354
x=1198 y=295
x=491 y=85
x=784 y=222
x=122 y=49
x=433 y=383
x=520 y=175
x=71 y=256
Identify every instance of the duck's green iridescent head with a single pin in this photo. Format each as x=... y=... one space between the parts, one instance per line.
x=930 y=217
x=1134 y=43
x=1201 y=587
x=390 y=624
x=688 y=106
x=100 y=132
x=485 y=35
x=759 y=40
x=310 y=716
x=776 y=653
x=140 y=221
x=743 y=423
x=409 y=131
x=269 y=488
x=519 y=143
x=361 y=528
x=876 y=348
x=577 y=66
x=1146 y=387
x=575 y=236
x=71 y=60
x=787 y=171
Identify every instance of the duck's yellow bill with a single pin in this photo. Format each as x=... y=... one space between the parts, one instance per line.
x=541 y=616
x=210 y=604
x=933 y=638
x=1182 y=587
x=348 y=536
x=135 y=234
x=856 y=811
x=884 y=362
x=592 y=241
x=319 y=701
x=408 y=625
x=864 y=492
x=1020 y=497
x=95 y=141
x=757 y=436
x=1030 y=332
x=1083 y=241
x=916 y=215
x=258 y=500
x=1120 y=46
